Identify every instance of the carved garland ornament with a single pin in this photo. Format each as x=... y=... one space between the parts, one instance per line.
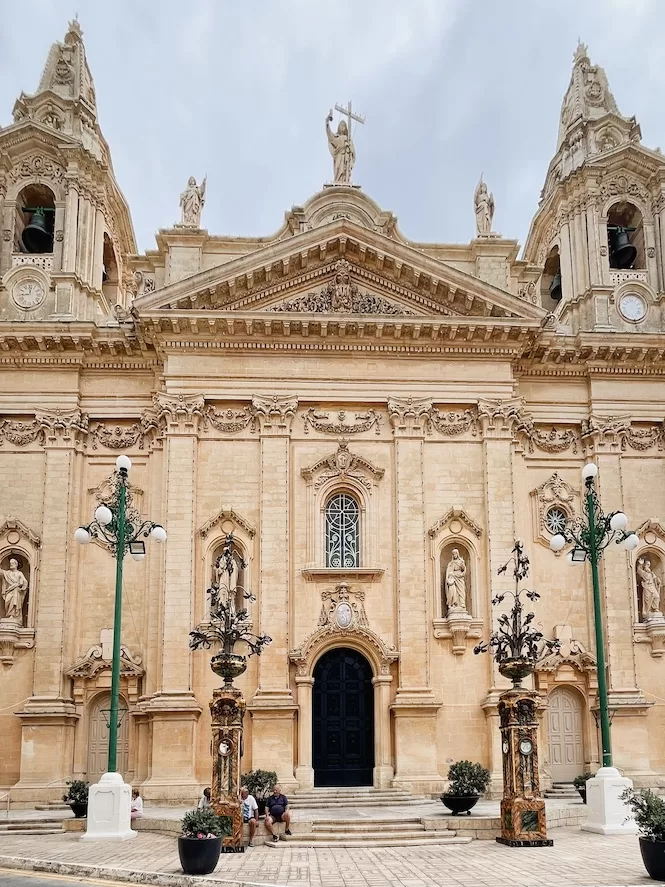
x=228 y=421
x=320 y=421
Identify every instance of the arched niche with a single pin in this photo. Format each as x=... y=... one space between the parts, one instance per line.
x=212 y=537
x=17 y=592
x=551 y=286
x=648 y=609
x=35 y=205
x=456 y=531
x=649 y=577
x=625 y=236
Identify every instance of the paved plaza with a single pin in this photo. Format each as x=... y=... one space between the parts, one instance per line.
x=577 y=859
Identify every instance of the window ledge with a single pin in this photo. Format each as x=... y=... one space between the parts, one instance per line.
x=354 y=574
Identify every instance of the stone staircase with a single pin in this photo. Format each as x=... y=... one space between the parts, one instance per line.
x=52 y=805
x=52 y=826
x=354 y=797
x=369 y=833
x=562 y=790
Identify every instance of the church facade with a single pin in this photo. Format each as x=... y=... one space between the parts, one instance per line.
x=375 y=420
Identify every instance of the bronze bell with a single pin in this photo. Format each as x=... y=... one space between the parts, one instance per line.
x=623 y=251
x=36 y=237
x=555 y=287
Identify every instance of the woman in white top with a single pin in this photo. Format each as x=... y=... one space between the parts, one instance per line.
x=137 y=804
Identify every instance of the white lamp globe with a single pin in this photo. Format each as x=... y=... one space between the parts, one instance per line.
x=103 y=515
x=123 y=463
x=618 y=521
x=631 y=542
x=557 y=542
x=82 y=536
x=158 y=533
x=590 y=470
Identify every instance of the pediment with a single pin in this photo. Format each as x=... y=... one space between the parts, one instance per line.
x=339 y=269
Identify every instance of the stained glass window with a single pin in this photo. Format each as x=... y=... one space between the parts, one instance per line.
x=342 y=532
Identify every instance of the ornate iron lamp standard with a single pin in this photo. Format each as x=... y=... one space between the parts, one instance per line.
x=225 y=626
x=517 y=646
x=590 y=536
x=118 y=524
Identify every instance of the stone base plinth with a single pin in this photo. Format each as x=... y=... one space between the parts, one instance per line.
x=608 y=814
x=109 y=810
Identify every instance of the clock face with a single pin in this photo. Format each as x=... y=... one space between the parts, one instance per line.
x=28 y=294
x=632 y=307
x=506 y=747
x=526 y=746
x=224 y=748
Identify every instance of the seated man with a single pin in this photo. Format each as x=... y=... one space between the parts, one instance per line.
x=250 y=812
x=204 y=800
x=277 y=810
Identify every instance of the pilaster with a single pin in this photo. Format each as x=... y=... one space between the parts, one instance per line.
x=49 y=716
x=305 y=770
x=272 y=707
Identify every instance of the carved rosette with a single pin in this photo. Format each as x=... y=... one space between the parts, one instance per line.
x=227 y=710
x=551 y=499
x=274 y=415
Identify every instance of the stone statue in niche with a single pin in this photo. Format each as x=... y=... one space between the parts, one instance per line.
x=455 y=582
x=191 y=202
x=650 y=585
x=14 y=591
x=234 y=580
x=483 y=203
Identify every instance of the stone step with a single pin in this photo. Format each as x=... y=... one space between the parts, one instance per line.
x=296 y=803
x=365 y=826
x=422 y=838
x=52 y=805
x=387 y=834
x=17 y=825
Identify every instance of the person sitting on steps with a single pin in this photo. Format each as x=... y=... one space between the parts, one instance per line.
x=137 y=805
x=277 y=810
x=250 y=812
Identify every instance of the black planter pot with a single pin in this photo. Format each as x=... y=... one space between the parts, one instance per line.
x=79 y=808
x=582 y=792
x=199 y=856
x=653 y=857
x=459 y=804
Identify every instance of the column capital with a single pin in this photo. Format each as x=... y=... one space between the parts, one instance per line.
x=499 y=418
x=410 y=417
x=607 y=434
x=63 y=429
x=274 y=414
x=180 y=413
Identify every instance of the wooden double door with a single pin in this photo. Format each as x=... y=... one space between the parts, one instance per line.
x=343 y=719
x=565 y=733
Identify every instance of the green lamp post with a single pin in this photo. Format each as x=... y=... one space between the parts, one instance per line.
x=590 y=536
x=119 y=525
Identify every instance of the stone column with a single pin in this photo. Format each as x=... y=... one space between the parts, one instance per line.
x=71 y=225
x=497 y=418
x=49 y=717
x=383 y=767
x=628 y=705
x=305 y=770
x=273 y=708
x=416 y=706
x=568 y=272
x=97 y=251
x=173 y=709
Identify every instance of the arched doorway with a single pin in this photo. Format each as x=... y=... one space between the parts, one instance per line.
x=342 y=719
x=566 y=743
x=98 y=738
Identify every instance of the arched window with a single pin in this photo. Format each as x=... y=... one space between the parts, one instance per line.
x=342 y=532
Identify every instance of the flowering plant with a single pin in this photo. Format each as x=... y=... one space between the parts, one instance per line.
x=204 y=824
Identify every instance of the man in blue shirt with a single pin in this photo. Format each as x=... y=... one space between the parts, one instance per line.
x=277 y=810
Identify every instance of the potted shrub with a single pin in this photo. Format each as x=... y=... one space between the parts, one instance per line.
x=77 y=797
x=200 y=844
x=260 y=784
x=467 y=782
x=580 y=784
x=649 y=812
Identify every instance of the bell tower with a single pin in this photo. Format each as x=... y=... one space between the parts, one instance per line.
x=66 y=228
x=599 y=233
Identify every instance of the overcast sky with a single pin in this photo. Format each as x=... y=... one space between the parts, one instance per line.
x=239 y=89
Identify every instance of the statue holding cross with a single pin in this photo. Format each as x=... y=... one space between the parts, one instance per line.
x=341 y=144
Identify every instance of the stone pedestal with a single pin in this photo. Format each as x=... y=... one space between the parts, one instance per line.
x=227 y=710
x=608 y=815
x=522 y=809
x=415 y=719
x=109 y=810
